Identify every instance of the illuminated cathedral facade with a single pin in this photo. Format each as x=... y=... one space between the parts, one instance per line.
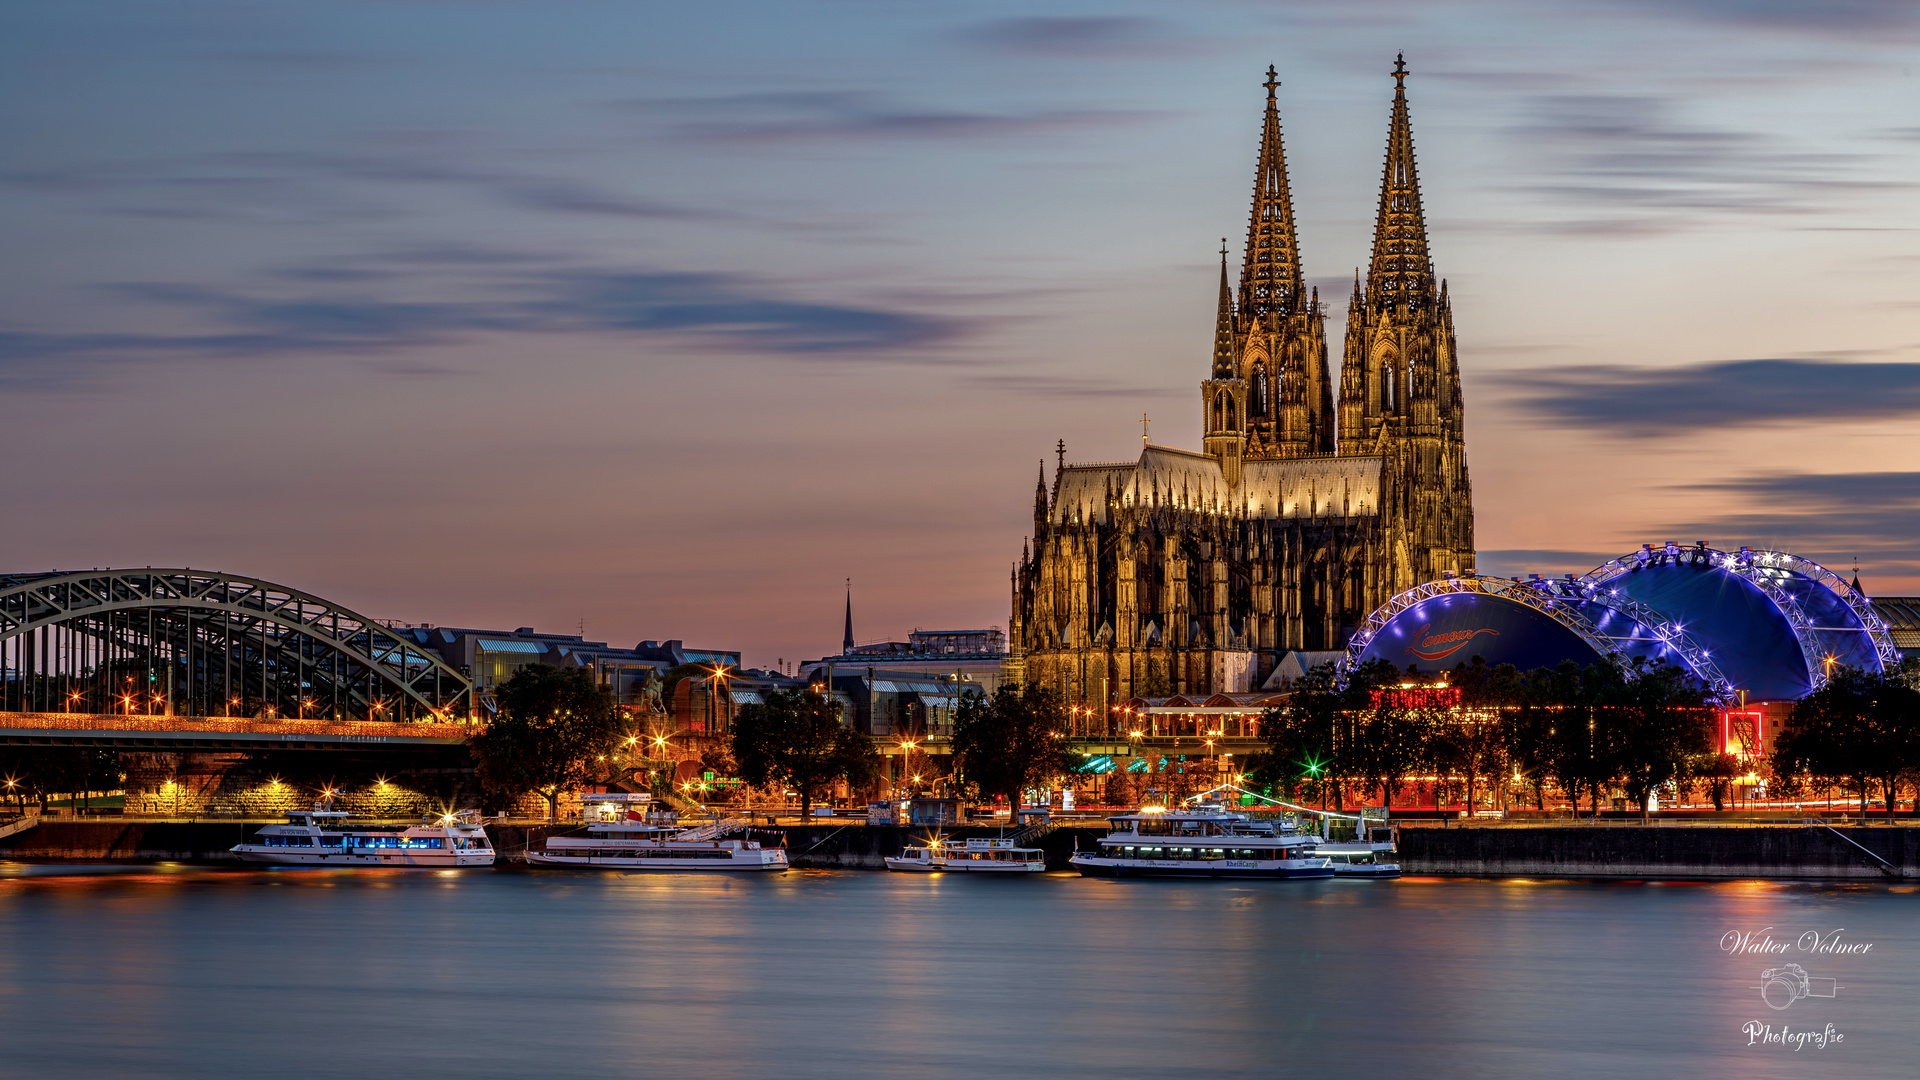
x=1194 y=572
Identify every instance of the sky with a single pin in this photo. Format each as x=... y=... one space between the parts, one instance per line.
x=664 y=320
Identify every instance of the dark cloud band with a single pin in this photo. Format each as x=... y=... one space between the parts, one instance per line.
x=1661 y=401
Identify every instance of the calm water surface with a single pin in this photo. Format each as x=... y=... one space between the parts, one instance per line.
x=178 y=972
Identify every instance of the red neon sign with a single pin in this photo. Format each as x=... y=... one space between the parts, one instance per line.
x=1740 y=733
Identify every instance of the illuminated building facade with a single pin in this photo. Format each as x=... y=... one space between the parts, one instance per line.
x=1195 y=572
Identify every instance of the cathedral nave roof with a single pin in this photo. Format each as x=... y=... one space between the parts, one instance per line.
x=1279 y=488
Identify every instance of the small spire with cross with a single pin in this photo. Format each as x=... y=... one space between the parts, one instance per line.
x=1143 y=427
x=1060 y=450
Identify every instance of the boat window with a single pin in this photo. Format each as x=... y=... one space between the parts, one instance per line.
x=284 y=841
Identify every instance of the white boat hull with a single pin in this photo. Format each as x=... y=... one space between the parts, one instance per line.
x=1269 y=869
x=1366 y=870
x=964 y=866
x=425 y=860
x=761 y=859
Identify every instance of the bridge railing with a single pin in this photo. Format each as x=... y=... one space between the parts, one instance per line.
x=228 y=725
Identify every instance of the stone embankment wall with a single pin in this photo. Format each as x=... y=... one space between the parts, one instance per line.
x=184 y=841
x=1734 y=851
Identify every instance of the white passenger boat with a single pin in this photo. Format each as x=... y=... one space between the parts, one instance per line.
x=973 y=856
x=1202 y=842
x=1359 y=860
x=321 y=837
x=621 y=836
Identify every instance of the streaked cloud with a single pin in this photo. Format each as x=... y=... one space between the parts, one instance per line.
x=1550 y=562
x=1636 y=164
x=1830 y=517
x=858 y=115
x=1643 y=401
x=720 y=310
x=1094 y=37
x=1845 y=18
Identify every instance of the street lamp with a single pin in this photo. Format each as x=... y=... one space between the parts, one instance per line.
x=714 y=683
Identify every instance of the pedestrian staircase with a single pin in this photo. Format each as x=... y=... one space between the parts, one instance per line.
x=1861 y=853
x=1034 y=832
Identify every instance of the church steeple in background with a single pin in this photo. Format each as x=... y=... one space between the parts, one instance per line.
x=846 y=643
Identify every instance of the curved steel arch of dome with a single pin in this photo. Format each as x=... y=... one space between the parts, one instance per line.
x=1502 y=587
x=1750 y=565
x=29 y=602
x=1535 y=595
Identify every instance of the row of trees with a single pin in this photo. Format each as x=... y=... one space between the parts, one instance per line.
x=40 y=773
x=1003 y=745
x=1636 y=727
x=1859 y=732
x=558 y=730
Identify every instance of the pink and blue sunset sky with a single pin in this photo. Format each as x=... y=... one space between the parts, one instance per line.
x=670 y=317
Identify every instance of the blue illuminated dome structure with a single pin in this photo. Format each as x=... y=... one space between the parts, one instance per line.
x=1769 y=623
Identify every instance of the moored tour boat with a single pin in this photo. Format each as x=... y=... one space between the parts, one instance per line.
x=321 y=837
x=973 y=856
x=627 y=839
x=1202 y=842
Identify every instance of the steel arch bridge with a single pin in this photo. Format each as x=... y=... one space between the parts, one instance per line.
x=200 y=643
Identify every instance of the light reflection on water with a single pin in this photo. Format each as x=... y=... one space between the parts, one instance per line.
x=181 y=971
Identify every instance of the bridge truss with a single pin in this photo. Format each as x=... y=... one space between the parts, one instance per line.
x=198 y=643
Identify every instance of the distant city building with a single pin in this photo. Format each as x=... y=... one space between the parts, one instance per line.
x=891 y=703
x=977 y=657
x=1902 y=614
x=490 y=657
x=991 y=642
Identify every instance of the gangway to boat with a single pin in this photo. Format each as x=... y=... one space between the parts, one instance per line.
x=714 y=830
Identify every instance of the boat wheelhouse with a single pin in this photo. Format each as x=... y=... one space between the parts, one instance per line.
x=621 y=834
x=1207 y=842
x=322 y=837
x=971 y=856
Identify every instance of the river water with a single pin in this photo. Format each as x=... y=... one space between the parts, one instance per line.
x=195 y=972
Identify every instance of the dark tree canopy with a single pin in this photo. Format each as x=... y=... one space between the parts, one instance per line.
x=1860 y=730
x=556 y=729
x=39 y=772
x=1011 y=742
x=795 y=738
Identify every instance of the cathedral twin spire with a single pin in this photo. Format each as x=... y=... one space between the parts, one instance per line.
x=1270 y=347
x=1271 y=279
x=1401 y=270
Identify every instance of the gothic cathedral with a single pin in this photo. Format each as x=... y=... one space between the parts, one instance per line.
x=1194 y=573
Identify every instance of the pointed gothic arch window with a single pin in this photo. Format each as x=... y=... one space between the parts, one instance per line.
x=1389 y=368
x=1232 y=420
x=1259 y=391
